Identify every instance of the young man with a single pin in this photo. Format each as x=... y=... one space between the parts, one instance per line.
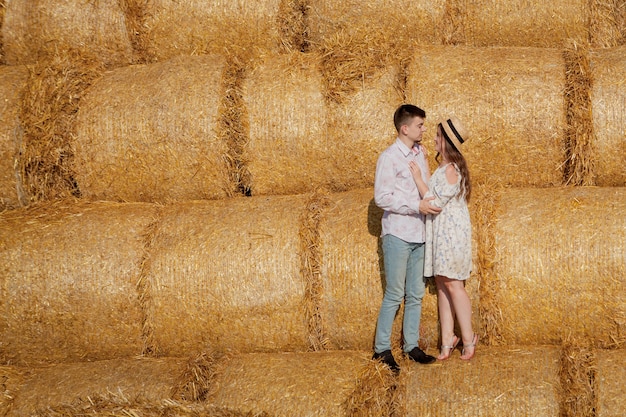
x=403 y=235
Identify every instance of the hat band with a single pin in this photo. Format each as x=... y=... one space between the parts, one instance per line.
x=447 y=138
x=459 y=137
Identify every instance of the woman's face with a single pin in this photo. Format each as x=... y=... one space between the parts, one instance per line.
x=439 y=142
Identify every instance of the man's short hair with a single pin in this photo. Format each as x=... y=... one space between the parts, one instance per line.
x=405 y=113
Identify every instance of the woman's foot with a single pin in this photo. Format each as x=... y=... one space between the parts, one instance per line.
x=469 y=349
x=446 y=350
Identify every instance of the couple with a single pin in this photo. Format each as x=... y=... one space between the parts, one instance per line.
x=426 y=231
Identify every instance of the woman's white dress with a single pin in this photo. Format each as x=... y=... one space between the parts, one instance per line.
x=448 y=249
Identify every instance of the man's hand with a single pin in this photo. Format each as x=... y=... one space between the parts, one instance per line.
x=426 y=208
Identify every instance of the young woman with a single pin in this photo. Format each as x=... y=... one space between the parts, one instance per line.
x=448 y=254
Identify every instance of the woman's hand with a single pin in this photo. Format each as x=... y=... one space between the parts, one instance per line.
x=415 y=171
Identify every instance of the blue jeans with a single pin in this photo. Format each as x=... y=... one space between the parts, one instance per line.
x=404 y=275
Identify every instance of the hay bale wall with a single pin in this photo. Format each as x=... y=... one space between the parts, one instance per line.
x=68 y=282
x=511 y=100
x=560 y=265
x=499 y=381
x=151 y=133
x=33 y=29
x=12 y=83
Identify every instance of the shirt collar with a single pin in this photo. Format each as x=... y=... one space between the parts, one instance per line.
x=405 y=150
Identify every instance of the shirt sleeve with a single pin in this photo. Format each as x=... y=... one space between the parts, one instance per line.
x=385 y=195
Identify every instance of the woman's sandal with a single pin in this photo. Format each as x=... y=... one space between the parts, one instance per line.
x=442 y=357
x=469 y=345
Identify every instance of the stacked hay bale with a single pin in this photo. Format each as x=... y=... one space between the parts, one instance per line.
x=290 y=280
x=35 y=29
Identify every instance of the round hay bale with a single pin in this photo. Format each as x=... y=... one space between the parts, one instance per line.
x=525 y=23
x=288 y=150
x=226 y=275
x=35 y=27
x=151 y=380
x=511 y=99
x=560 y=264
x=403 y=19
x=353 y=276
x=12 y=83
x=298 y=141
x=608 y=97
x=288 y=384
x=610 y=372
x=499 y=381
x=68 y=285
x=150 y=133
x=197 y=27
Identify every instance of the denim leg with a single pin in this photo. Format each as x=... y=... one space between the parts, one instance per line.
x=396 y=253
x=414 y=293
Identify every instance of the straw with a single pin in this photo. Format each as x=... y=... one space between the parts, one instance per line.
x=48 y=110
x=526 y=23
x=68 y=282
x=504 y=381
x=63 y=384
x=560 y=267
x=580 y=138
x=578 y=374
x=151 y=133
x=237 y=283
x=610 y=394
x=291 y=384
x=523 y=90
x=608 y=93
x=12 y=83
x=34 y=30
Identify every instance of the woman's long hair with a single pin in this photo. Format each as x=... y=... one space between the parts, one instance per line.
x=457 y=158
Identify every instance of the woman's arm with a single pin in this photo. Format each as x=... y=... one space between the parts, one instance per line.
x=422 y=187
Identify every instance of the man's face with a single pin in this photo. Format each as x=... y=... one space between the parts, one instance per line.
x=415 y=129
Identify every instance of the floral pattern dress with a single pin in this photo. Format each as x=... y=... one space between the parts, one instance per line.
x=449 y=233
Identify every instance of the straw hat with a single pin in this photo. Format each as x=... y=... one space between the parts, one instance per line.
x=454 y=132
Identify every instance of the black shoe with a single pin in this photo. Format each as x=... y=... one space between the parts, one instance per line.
x=387 y=358
x=419 y=356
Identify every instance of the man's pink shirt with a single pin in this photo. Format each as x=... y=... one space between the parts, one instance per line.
x=396 y=193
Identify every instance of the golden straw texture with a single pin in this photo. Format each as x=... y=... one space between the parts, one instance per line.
x=204 y=26
x=497 y=382
x=535 y=23
x=510 y=99
x=560 y=265
x=150 y=133
x=611 y=371
x=306 y=132
x=608 y=99
x=34 y=28
x=290 y=384
x=67 y=286
x=403 y=20
x=61 y=384
x=12 y=84
x=226 y=275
